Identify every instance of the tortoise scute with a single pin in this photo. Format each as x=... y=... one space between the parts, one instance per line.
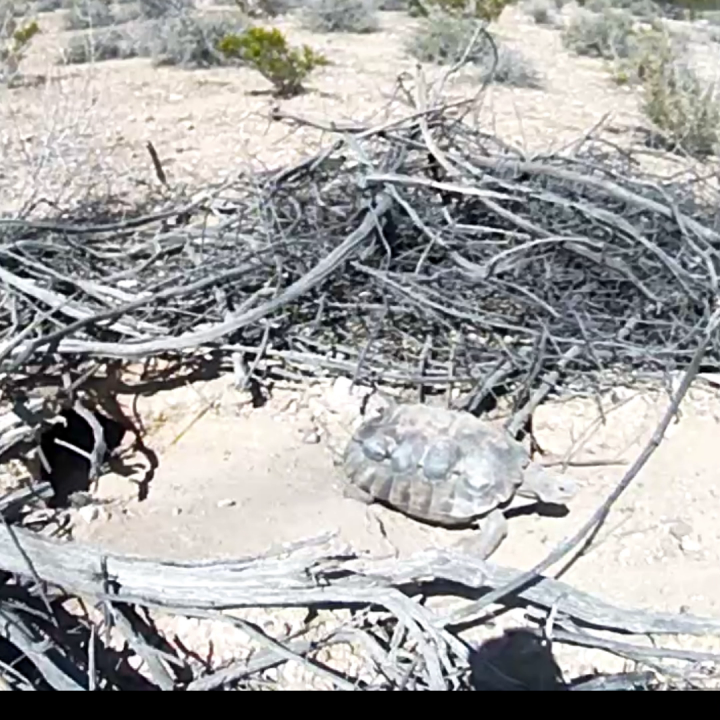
x=440 y=458
x=378 y=447
x=408 y=454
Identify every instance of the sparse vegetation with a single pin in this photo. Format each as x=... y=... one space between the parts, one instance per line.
x=639 y=8
x=83 y=14
x=48 y=5
x=154 y=9
x=514 y=69
x=15 y=38
x=356 y=16
x=268 y=52
x=443 y=39
x=106 y=44
x=541 y=11
x=263 y=8
x=487 y=10
x=190 y=40
x=609 y=34
x=684 y=108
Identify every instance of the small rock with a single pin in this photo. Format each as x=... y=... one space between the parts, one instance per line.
x=311 y=438
x=680 y=529
x=89 y=513
x=226 y=503
x=177 y=511
x=688 y=545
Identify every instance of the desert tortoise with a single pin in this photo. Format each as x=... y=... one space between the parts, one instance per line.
x=448 y=468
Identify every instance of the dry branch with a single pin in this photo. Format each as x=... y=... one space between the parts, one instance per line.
x=422 y=252
x=318 y=578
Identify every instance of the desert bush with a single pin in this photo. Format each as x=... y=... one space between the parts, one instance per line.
x=265 y=8
x=48 y=5
x=107 y=44
x=487 y=10
x=638 y=8
x=83 y=14
x=154 y=9
x=684 y=108
x=16 y=34
x=393 y=5
x=609 y=34
x=190 y=40
x=14 y=8
x=514 y=69
x=541 y=11
x=355 y=16
x=443 y=39
x=268 y=52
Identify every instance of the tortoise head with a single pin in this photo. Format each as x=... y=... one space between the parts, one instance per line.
x=542 y=484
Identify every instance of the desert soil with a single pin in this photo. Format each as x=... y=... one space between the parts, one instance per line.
x=236 y=480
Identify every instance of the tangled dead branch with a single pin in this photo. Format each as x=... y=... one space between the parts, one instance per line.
x=419 y=253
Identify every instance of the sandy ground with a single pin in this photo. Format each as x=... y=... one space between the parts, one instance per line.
x=240 y=480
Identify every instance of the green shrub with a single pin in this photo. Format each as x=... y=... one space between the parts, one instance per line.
x=355 y=16
x=15 y=39
x=268 y=52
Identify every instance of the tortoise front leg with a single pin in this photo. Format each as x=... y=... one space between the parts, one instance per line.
x=492 y=532
x=353 y=492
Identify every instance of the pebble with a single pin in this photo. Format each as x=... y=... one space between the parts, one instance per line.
x=311 y=438
x=226 y=503
x=688 y=545
x=680 y=530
